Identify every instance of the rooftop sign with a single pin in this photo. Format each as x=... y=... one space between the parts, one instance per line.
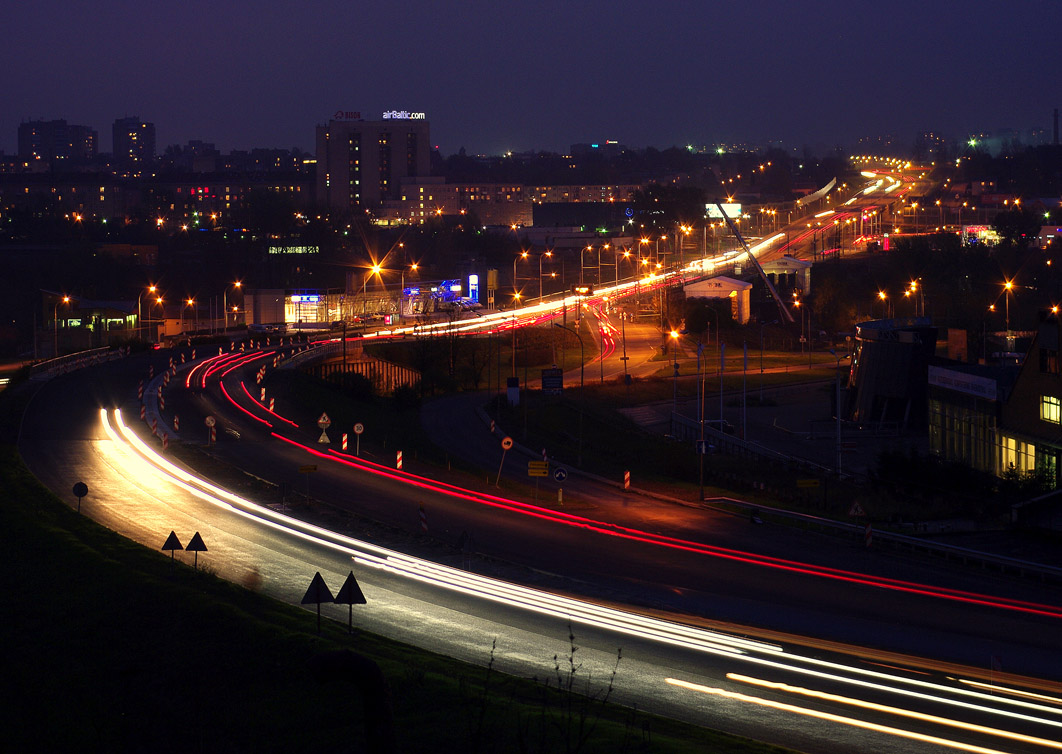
x=402 y=115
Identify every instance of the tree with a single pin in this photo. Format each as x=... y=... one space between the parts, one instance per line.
x=1017 y=226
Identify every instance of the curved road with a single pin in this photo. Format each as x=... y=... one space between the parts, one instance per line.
x=130 y=499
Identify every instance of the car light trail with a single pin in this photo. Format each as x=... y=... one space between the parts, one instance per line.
x=705 y=640
x=237 y=405
x=137 y=455
x=637 y=535
x=898 y=711
x=264 y=407
x=830 y=717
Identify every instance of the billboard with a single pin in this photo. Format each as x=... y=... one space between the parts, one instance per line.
x=732 y=210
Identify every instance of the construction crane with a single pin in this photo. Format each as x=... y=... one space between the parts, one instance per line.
x=777 y=299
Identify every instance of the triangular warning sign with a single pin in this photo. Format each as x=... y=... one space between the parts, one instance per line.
x=323 y=439
x=856 y=510
x=172 y=543
x=196 y=544
x=318 y=592
x=350 y=592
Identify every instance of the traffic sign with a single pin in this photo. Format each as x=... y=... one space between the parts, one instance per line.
x=323 y=421
x=506 y=443
x=538 y=468
x=308 y=468
x=80 y=490
x=359 y=428
x=560 y=473
x=210 y=421
x=553 y=381
x=807 y=483
x=196 y=545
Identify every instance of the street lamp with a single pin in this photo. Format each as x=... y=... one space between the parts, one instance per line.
x=139 y=318
x=55 y=322
x=516 y=290
x=674 y=402
x=190 y=302
x=374 y=270
x=225 y=304
x=838 y=409
x=1007 y=286
x=884 y=305
x=543 y=254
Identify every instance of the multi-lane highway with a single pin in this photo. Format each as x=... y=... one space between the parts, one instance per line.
x=700 y=569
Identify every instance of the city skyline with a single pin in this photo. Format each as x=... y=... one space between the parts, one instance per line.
x=538 y=78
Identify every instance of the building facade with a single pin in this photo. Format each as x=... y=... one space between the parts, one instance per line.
x=361 y=163
x=57 y=142
x=133 y=145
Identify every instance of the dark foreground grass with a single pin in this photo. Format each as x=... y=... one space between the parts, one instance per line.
x=106 y=646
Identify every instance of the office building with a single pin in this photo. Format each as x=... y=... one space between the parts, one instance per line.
x=56 y=142
x=133 y=146
x=361 y=163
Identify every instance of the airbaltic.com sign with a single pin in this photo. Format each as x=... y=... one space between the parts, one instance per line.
x=403 y=115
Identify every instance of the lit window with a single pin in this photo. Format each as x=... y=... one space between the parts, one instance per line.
x=1051 y=409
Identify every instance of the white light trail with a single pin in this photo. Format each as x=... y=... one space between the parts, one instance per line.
x=898 y=711
x=141 y=458
x=829 y=716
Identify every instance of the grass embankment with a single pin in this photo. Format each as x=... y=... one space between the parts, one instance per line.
x=107 y=646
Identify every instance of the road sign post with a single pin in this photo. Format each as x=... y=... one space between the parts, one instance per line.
x=172 y=544
x=559 y=475
x=358 y=429
x=506 y=443
x=324 y=423
x=80 y=490
x=316 y=594
x=197 y=546
x=350 y=594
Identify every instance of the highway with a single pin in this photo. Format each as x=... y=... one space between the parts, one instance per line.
x=683 y=670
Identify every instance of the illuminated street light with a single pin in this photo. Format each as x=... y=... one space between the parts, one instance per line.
x=55 y=322
x=139 y=318
x=1007 y=286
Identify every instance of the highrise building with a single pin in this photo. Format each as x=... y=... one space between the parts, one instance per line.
x=133 y=145
x=360 y=162
x=56 y=142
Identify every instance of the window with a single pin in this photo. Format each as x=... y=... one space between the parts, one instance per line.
x=1051 y=409
x=1049 y=361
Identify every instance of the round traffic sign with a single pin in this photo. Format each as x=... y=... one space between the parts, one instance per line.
x=507 y=442
x=210 y=421
x=359 y=428
x=560 y=473
x=80 y=489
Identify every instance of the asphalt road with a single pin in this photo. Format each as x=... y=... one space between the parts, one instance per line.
x=63 y=442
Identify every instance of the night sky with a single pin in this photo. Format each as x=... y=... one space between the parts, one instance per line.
x=492 y=76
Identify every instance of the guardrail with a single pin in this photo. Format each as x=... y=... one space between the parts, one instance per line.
x=687 y=429
x=51 y=368
x=898 y=541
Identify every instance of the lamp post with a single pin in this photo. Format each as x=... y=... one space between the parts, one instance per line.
x=190 y=303
x=674 y=401
x=543 y=254
x=837 y=409
x=516 y=290
x=139 y=318
x=55 y=322
x=225 y=304
x=374 y=270
x=162 y=311
x=1007 y=285
x=582 y=367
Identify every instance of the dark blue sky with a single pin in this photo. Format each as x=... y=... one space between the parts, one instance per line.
x=491 y=76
